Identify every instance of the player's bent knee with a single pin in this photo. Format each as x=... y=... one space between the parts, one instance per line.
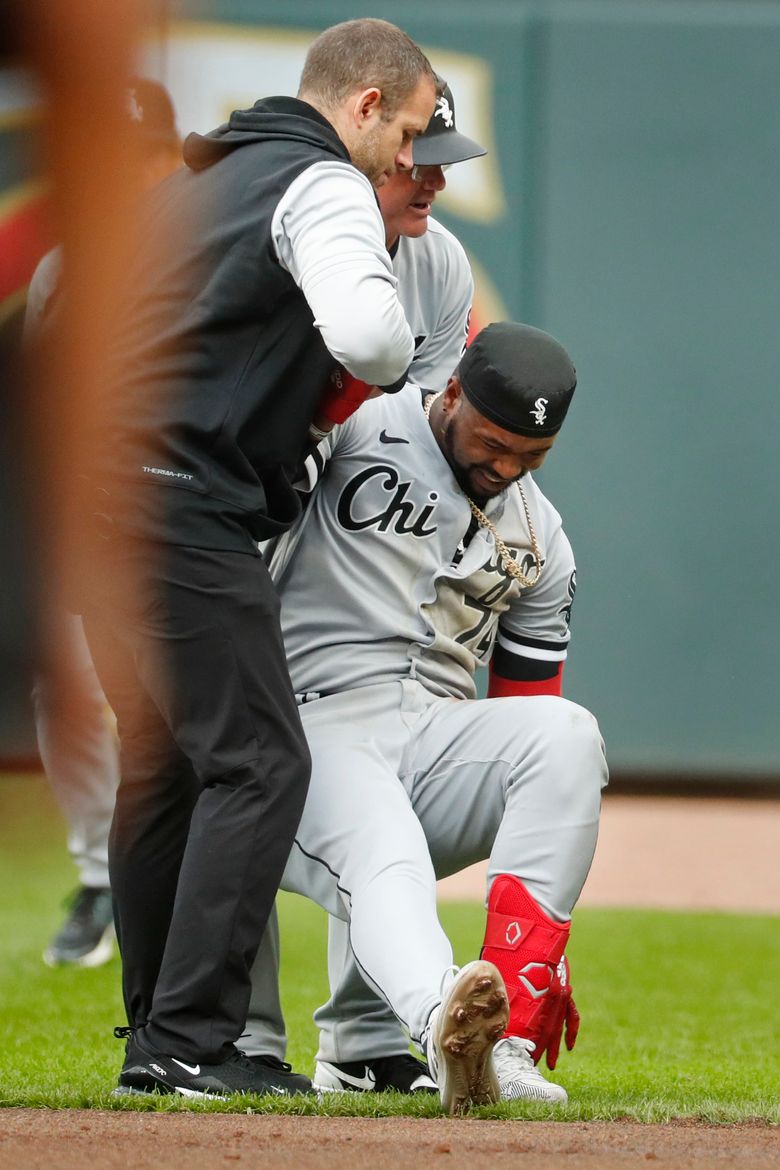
x=568 y=722
x=581 y=761
x=565 y=750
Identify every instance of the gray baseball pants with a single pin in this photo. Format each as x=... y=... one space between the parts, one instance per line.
x=516 y=780
x=77 y=745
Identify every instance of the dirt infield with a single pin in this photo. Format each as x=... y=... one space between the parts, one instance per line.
x=40 y=1139
x=674 y=853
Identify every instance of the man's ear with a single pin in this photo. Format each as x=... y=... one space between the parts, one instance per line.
x=453 y=393
x=367 y=105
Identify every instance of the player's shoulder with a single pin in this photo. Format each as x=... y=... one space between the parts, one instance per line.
x=334 y=183
x=374 y=414
x=556 y=550
x=336 y=171
x=544 y=514
x=442 y=237
x=405 y=404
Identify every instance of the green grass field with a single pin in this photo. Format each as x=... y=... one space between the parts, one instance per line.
x=680 y=1011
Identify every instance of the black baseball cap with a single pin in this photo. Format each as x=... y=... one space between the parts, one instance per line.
x=519 y=378
x=442 y=143
x=151 y=112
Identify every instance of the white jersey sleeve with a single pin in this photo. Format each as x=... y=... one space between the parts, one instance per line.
x=436 y=289
x=328 y=234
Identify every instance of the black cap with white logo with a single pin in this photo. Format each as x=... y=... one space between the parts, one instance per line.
x=442 y=144
x=519 y=378
x=150 y=110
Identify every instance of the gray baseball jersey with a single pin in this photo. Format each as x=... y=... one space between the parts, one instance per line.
x=435 y=288
x=387 y=585
x=80 y=758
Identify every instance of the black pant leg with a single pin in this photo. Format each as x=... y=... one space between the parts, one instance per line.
x=207 y=649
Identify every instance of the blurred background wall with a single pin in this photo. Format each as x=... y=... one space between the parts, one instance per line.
x=629 y=204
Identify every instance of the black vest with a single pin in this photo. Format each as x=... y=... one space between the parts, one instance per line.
x=222 y=366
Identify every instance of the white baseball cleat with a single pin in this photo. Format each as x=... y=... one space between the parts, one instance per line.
x=519 y=1077
x=460 y=1036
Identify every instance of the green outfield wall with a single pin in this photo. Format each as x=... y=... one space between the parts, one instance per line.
x=629 y=205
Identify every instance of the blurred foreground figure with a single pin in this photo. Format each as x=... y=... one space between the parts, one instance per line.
x=77 y=745
x=77 y=55
x=263 y=273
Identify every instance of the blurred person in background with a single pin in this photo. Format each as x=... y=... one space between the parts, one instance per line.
x=76 y=741
x=78 y=172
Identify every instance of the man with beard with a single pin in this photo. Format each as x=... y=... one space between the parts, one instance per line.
x=437 y=553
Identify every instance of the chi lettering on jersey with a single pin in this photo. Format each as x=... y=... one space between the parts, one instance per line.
x=378 y=498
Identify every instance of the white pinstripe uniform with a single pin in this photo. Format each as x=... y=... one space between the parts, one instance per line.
x=390 y=601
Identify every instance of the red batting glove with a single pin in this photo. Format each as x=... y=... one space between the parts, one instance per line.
x=562 y=1016
x=343 y=395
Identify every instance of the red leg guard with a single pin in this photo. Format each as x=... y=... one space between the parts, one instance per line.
x=527 y=947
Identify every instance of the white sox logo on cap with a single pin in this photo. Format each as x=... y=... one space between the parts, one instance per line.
x=444 y=111
x=539 y=411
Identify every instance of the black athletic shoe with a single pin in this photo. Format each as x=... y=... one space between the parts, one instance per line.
x=147 y=1071
x=86 y=937
x=403 y=1073
x=296 y=1083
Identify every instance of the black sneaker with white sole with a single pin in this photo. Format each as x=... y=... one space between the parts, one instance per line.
x=294 y=1083
x=402 y=1073
x=148 y=1071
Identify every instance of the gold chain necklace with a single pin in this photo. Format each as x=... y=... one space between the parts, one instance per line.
x=507 y=560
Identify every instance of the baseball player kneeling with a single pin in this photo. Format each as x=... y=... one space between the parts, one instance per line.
x=425 y=551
